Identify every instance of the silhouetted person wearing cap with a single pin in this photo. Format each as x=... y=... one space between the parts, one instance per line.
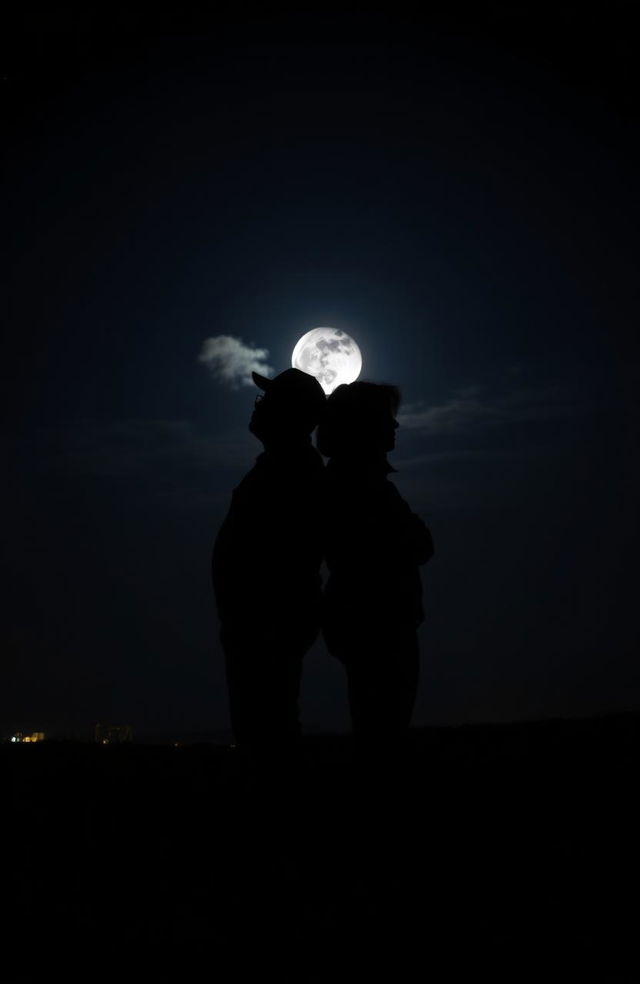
x=266 y=565
x=374 y=546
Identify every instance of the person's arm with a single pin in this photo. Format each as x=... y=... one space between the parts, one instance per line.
x=412 y=534
x=420 y=537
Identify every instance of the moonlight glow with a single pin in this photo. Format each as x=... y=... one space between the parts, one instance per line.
x=328 y=354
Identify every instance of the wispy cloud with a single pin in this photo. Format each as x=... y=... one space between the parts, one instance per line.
x=231 y=361
x=473 y=408
x=144 y=459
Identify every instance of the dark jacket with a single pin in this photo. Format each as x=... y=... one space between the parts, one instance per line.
x=374 y=546
x=267 y=554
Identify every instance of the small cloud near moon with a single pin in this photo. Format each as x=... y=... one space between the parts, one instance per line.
x=330 y=355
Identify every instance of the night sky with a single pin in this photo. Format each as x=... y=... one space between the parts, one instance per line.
x=457 y=191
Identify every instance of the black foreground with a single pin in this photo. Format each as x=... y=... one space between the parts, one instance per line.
x=507 y=851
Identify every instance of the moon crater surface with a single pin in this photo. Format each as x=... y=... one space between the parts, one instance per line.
x=330 y=355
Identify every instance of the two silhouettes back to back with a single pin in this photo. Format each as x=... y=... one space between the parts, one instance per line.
x=286 y=515
x=374 y=546
x=266 y=565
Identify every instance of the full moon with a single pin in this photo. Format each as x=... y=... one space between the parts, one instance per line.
x=330 y=355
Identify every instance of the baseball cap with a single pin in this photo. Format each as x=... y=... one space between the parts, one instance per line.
x=294 y=387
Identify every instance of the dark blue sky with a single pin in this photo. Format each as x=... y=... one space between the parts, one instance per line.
x=460 y=195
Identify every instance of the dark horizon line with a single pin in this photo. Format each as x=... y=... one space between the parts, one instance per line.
x=223 y=736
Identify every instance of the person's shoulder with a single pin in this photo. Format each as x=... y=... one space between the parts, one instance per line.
x=309 y=465
x=253 y=480
x=288 y=474
x=392 y=494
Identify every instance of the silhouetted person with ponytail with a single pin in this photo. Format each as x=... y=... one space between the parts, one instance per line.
x=374 y=546
x=266 y=566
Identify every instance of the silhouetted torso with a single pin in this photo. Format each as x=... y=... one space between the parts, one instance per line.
x=374 y=545
x=372 y=606
x=267 y=555
x=266 y=576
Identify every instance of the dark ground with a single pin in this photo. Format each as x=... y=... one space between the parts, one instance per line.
x=503 y=851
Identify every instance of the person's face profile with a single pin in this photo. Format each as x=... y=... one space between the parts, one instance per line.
x=256 y=422
x=388 y=426
x=388 y=433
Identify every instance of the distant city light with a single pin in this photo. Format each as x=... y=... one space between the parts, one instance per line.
x=108 y=734
x=21 y=739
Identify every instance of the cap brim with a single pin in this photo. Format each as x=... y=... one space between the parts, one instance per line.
x=261 y=381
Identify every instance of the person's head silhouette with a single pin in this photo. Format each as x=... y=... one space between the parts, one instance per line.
x=287 y=409
x=359 y=420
